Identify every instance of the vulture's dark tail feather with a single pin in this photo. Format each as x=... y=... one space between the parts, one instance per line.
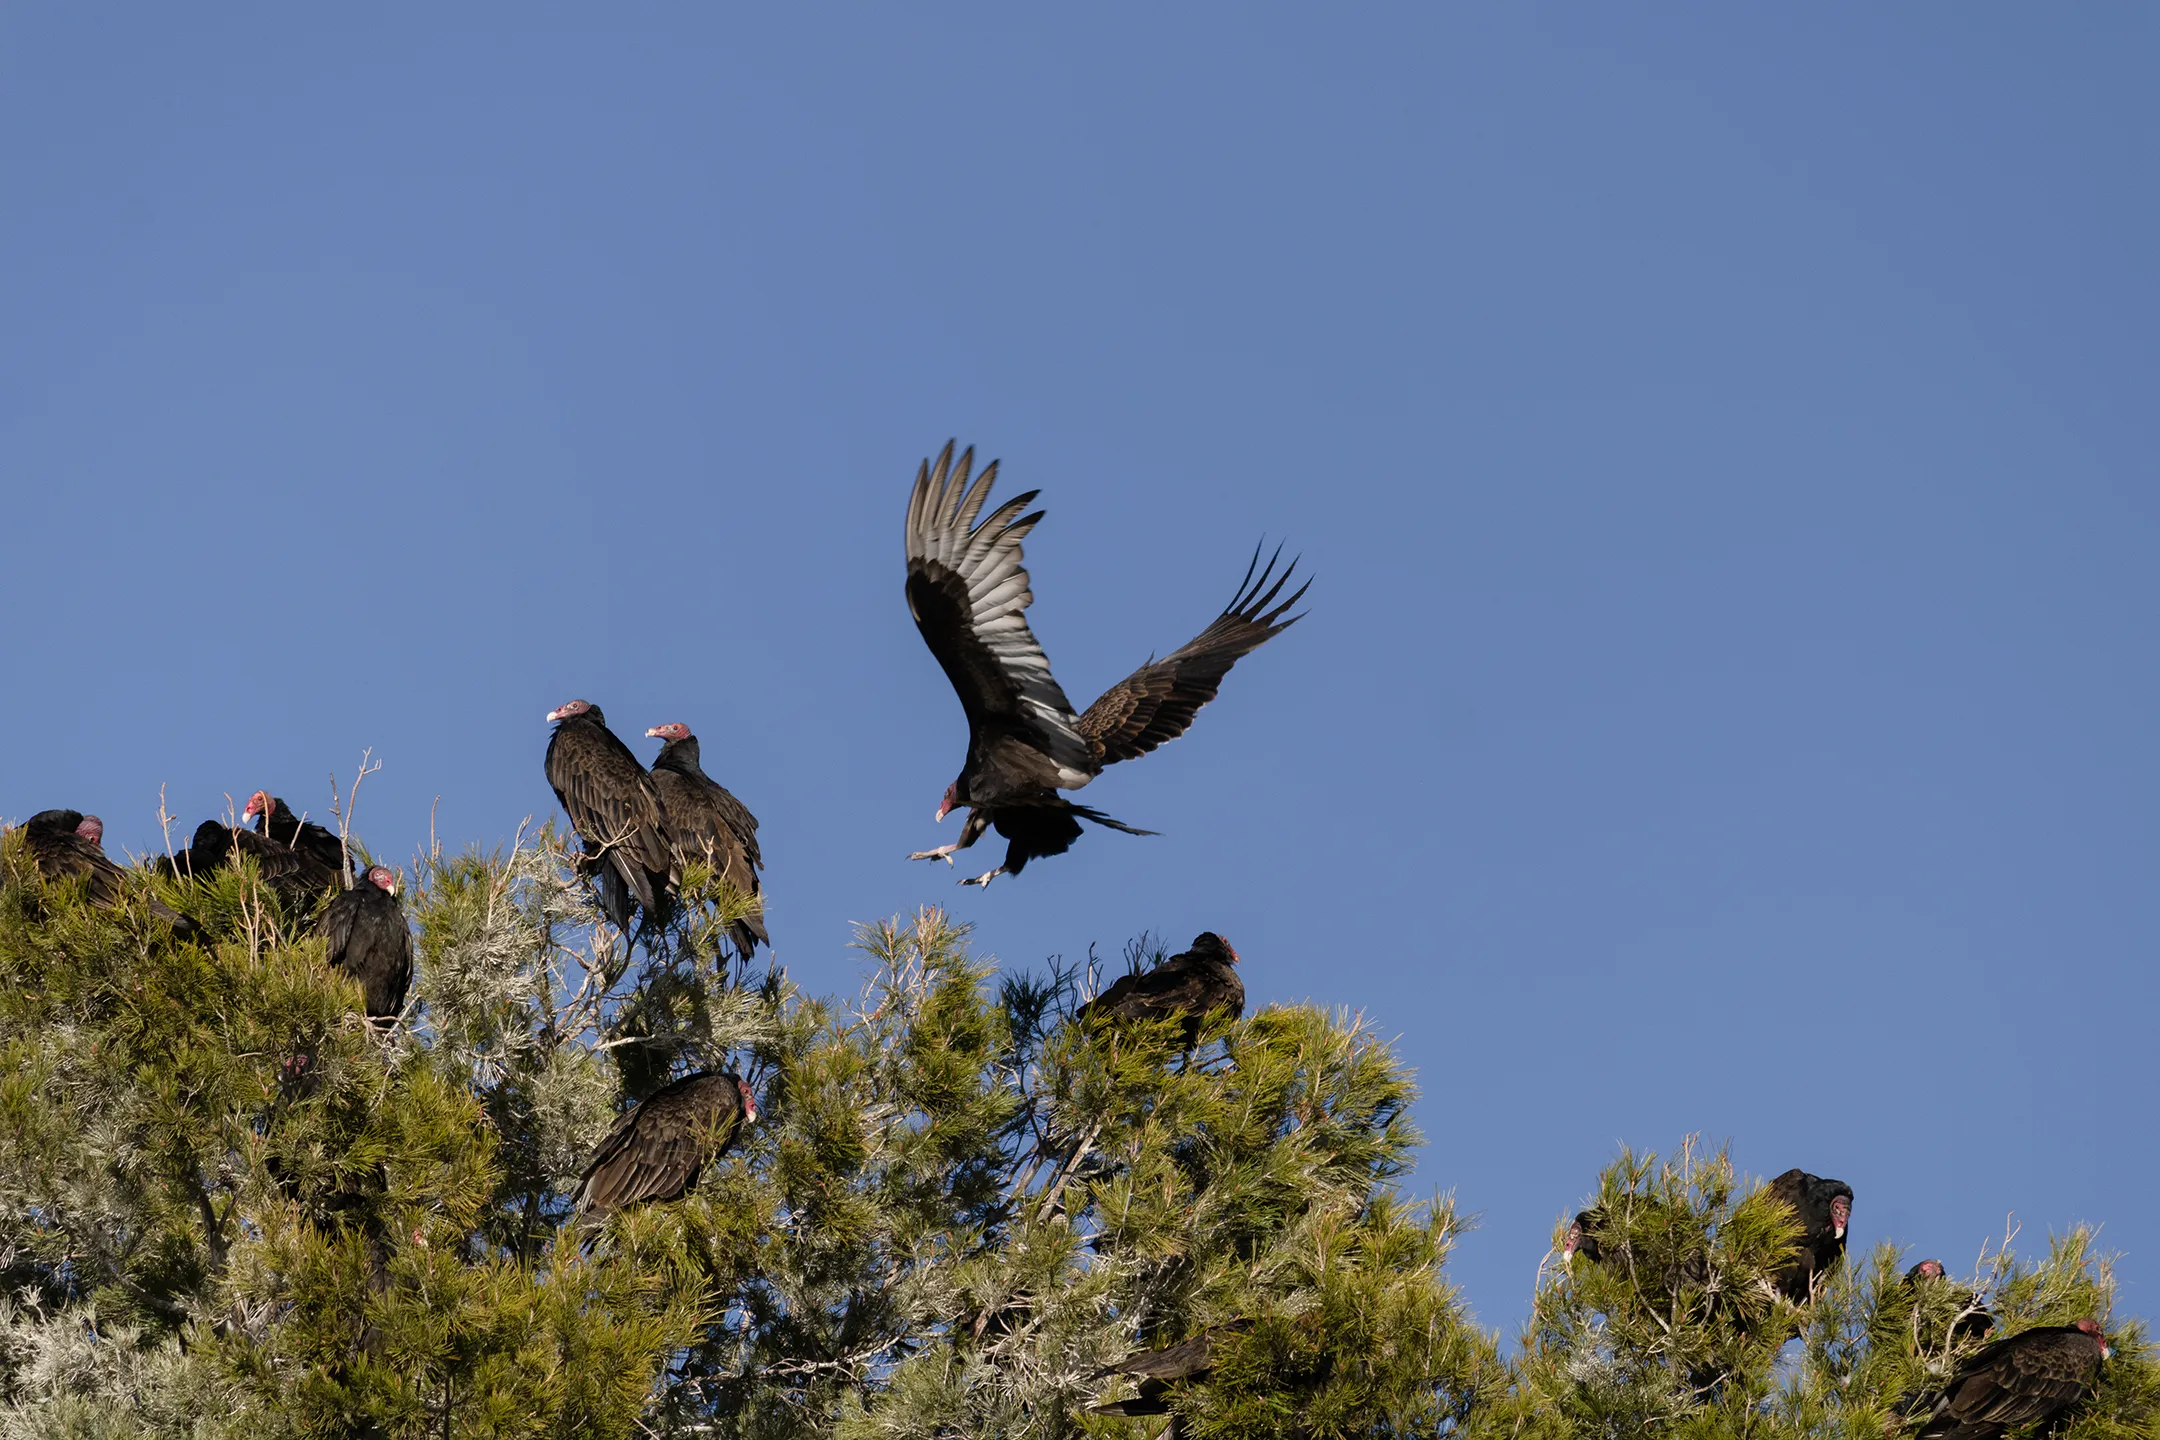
x=1085 y=813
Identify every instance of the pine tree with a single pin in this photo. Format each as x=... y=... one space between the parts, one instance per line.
x=228 y=1207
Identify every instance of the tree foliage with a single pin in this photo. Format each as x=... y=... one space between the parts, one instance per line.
x=228 y=1207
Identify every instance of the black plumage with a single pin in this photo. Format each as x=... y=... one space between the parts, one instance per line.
x=1194 y=984
x=657 y=1150
x=1582 y=1238
x=296 y=876
x=969 y=593
x=615 y=809
x=370 y=941
x=67 y=843
x=1931 y=1290
x=1159 y=1372
x=705 y=822
x=275 y=821
x=2036 y=1376
x=1824 y=1207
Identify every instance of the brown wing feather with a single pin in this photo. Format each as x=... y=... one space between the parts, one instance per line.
x=611 y=802
x=59 y=853
x=1157 y=702
x=705 y=822
x=2029 y=1376
x=969 y=594
x=656 y=1151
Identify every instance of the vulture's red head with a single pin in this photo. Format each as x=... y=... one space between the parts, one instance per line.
x=1207 y=942
x=1840 y=1213
x=1927 y=1270
x=569 y=711
x=951 y=800
x=673 y=730
x=92 y=829
x=2092 y=1328
x=259 y=803
x=383 y=877
x=749 y=1101
x=1579 y=1240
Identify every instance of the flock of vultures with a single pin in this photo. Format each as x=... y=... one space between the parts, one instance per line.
x=640 y=829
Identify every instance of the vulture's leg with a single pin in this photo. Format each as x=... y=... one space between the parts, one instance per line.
x=977 y=822
x=985 y=879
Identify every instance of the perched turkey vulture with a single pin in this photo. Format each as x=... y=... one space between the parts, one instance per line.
x=705 y=822
x=65 y=843
x=1157 y=1371
x=615 y=810
x=2036 y=1375
x=1656 y=1275
x=658 y=1149
x=370 y=941
x=1971 y=1322
x=1194 y=984
x=1582 y=1238
x=969 y=595
x=1824 y=1207
x=296 y=875
x=275 y=820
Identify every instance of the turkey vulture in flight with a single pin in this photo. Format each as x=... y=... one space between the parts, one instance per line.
x=705 y=822
x=370 y=941
x=658 y=1149
x=1158 y=1370
x=1194 y=984
x=275 y=820
x=1971 y=1322
x=615 y=810
x=1823 y=1207
x=66 y=843
x=298 y=877
x=969 y=595
x=2035 y=1375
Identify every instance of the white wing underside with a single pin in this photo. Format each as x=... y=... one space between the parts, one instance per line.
x=941 y=530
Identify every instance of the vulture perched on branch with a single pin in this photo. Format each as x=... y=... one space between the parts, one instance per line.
x=1971 y=1322
x=705 y=822
x=1194 y=984
x=67 y=843
x=2033 y=1376
x=658 y=1149
x=615 y=810
x=1582 y=1239
x=297 y=876
x=370 y=941
x=1158 y=1370
x=1823 y=1207
x=969 y=595
x=274 y=820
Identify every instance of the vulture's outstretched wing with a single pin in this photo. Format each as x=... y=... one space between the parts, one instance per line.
x=969 y=595
x=1157 y=702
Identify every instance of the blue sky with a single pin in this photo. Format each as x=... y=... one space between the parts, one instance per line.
x=1723 y=439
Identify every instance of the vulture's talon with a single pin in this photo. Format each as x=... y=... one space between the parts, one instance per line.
x=985 y=879
x=943 y=852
